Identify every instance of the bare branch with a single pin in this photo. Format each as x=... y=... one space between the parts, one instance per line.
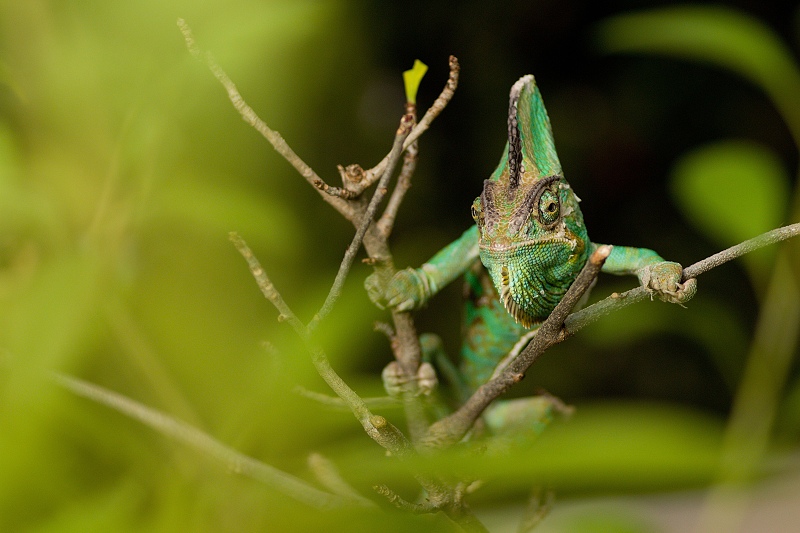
x=386 y=329
x=187 y=434
x=738 y=250
x=376 y=427
x=380 y=192
x=386 y=222
x=586 y=316
x=334 y=191
x=267 y=288
x=438 y=106
x=452 y=429
x=330 y=478
x=539 y=505
x=402 y=504
x=380 y=402
x=250 y=116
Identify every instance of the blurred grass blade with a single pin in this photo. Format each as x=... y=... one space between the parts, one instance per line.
x=716 y=35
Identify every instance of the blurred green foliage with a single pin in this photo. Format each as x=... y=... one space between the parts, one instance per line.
x=756 y=186
x=123 y=166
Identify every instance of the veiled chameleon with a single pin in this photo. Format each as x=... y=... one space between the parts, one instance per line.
x=532 y=242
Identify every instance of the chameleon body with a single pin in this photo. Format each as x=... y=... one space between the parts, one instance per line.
x=532 y=242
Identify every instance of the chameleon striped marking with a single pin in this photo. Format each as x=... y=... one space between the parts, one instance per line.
x=514 y=142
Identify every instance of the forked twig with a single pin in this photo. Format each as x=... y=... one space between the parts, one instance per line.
x=438 y=105
x=377 y=427
x=369 y=215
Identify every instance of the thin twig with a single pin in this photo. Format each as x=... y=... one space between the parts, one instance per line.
x=267 y=288
x=380 y=402
x=402 y=504
x=386 y=329
x=738 y=250
x=586 y=316
x=380 y=192
x=250 y=116
x=346 y=194
x=450 y=430
x=329 y=477
x=438 y=106
x=377 y=427
x=187 y=434
x=386 y=222
x=539 y=505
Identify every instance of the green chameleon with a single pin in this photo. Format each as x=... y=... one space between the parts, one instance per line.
x=532 y=242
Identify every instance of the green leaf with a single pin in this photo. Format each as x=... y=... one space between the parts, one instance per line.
x=732 y=190
x=412 y=79
x=716 y=35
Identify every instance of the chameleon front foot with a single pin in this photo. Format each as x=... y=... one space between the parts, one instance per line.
x=406 y=291
x=664 y=280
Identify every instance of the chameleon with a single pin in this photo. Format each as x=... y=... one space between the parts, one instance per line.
x=527 y=246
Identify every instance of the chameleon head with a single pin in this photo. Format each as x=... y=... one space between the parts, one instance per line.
x=532 y=238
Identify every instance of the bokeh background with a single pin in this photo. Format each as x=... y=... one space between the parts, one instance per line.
x=123 y=167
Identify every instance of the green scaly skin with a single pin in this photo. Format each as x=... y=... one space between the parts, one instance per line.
x=532 y=243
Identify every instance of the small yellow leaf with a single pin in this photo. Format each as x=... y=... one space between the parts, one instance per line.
x=412 y=79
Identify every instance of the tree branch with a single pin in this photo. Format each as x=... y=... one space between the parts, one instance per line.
x=452 y=429
x=330 y=478
x=738 y=250
x=438 y=106
x=586 y=316
x=386 y=222
x=250 y=116
x=187 y=434
x=377 y=427
x=334 y=402
x=372 y=208
x=267 y=288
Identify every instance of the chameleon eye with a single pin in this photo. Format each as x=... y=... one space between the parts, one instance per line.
x=549 y=208
x=477 y=210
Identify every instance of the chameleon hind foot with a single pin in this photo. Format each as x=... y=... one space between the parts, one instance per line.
x=664 y=280
x=398 y=384
x=519 y=421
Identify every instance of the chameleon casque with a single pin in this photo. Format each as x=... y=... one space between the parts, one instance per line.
x=532 y=242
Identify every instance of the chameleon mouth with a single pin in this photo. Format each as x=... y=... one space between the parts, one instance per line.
x=520 y=315
x=497 y=247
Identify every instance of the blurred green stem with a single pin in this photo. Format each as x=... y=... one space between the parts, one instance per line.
x=734 y=41
x=747 y=435
x=187 y=434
